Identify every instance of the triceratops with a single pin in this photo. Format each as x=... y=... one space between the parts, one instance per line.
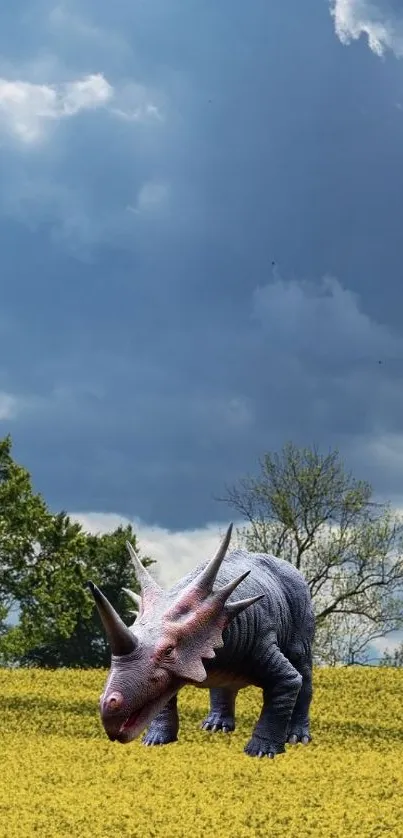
x=197 y=634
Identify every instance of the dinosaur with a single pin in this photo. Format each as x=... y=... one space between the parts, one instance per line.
x=198 y=634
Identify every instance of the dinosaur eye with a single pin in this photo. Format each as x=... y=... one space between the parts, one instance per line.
x=169 y=651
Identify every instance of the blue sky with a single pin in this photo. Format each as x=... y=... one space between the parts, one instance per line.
x=201 y=221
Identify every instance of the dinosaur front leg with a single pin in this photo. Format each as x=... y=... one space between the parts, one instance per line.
x=222 y=710
x=164 y=728
x=281 y=685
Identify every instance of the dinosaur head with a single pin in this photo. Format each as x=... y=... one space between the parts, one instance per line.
x=165 y=647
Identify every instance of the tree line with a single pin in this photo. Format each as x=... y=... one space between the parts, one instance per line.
x=302 y=506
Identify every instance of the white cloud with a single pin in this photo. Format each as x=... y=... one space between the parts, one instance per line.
x=27 y=109
x=382 y=26
x=388 y=643
x=29 y=112
x=8 y=406
x=175 y=552
x=85 y=94
x=134 y=102
x=309 y=318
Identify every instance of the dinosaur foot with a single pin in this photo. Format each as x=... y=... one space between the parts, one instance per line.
x=159 y=736
x=218 y=721
x=299 y=733
x=260 y=747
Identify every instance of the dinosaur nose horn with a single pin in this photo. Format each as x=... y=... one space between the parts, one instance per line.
x=121 y=640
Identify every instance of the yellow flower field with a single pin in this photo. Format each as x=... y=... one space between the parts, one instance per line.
x=60 y=776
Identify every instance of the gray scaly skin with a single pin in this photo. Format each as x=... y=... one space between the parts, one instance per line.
x=199 y=633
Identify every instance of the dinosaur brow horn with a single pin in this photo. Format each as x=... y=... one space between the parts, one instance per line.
x=208 y=575
x=121 y=640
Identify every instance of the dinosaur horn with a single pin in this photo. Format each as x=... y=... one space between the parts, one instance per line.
x=207 y=577
x=131 y=594
x=144 y=578
x=223 y=594
x=234 y=608
x=121 y=640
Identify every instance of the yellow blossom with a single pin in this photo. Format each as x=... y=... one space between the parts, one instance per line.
x=60 y=775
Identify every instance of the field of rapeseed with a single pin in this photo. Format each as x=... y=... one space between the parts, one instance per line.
x=60 y=776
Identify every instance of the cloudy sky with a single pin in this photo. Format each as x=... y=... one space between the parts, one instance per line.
x=201 y=215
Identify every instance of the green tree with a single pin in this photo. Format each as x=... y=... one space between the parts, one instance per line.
x=23 y=519
x=46 y=561
x=304 y=507
x=58 y=624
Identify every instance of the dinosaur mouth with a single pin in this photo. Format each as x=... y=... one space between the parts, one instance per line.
x=142 y=717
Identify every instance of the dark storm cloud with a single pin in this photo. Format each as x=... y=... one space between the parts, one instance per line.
x=152 y=349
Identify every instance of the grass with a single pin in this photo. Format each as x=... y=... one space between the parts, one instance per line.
x=60 y=776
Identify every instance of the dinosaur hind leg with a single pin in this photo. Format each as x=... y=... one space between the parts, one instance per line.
x=299 y=727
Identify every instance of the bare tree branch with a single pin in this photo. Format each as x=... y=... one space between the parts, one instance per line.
x=304 y=507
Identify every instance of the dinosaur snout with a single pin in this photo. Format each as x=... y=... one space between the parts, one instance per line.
x=113 y=703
